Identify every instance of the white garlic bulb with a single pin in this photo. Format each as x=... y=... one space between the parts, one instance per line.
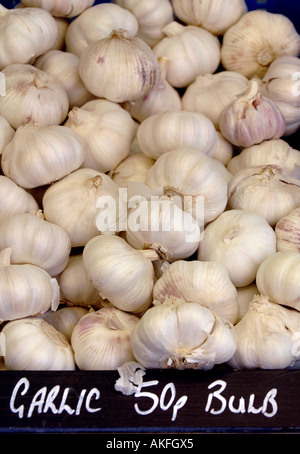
x=122 y=275
x=224 y=151
x=170 y=130
x=131 y=170
x=62 y=27
x=223 y=170
x=181 y=335
x=207 y=283
x=26 y=290
x=6 y=133
x=119 y=68
x=60 y=8
x=278 y=278
x=287 y=232
x=33 y=344
x=209 y=94
x=65 y=319
x=244 y=297
x=101 y=340
x=40 y=155
x=267 y=336
x=42 y=100
x=14 y=199
x=98 y=22
x=240 y=240
x=34 y=31
x=251 y=118
x=215 y=16
x=190 y=50
x=107 y=131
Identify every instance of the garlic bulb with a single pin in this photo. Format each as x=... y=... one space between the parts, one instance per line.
x=278 y=278
x=131 y=170
x=224 y=151
x=74 y=203
x=60 y=8
x=42 y=100
x=191 y=175
x=223 y=170
x=266 y=336
x=62 y=27
x=244 y=297
x=64 y=66
x=97 y=22
x=122 y=275
x=287 y=232
x=190 y=50
x=251 y=118
x=269 y=152
x=215 y=16
x=35 y=240
x=26 y=290
x=107 y=131
x=209 y=94
x=6 y=133
x=101 y=340
x=40 y=155
x=34 y=31
x=14 y=199
x=239 y=240
x=181 y=335
x=167 y=131
x=33 y=344
x=267 y=190
x=65 y=319
x=256 y=40
x=119 y=68
x=206 y=283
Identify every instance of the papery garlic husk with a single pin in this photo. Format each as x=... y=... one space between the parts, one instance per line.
x=190 y=50
x=280 y=84
x=119 y=68
x=101 y=340
x=32 y=96
x=34 y=31
x=224 y=151
x=40 y=155
x=122 y=275
x=170 y=130
x=76 y=289
x=107 y=131
x=97 y=22
x=207 y=283
x=267 y=190
x=251 y=118
x=244 y=297
x=6 y=134
x=62 y=27
x=75 y=202
x=287 y=232
x=278 y=278
x=190 y=174
x=14 y=199
x=64 y=66
x=215 y=16
x=209 y=94
x=267 y=336
x=274 y=151
x=33 y=344
x=240 y=240
x=36 y=241
x=161 y=98
x=181 y=335
x=133 y=169
x=26 y=290
x=256 y=40
x=223 y=170
x=65 y=319
x=59 y=8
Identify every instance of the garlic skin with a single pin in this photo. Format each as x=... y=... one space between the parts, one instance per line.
x=101 y=340
x=119 y=68
x=65 y=319
x=181 y=335
x=190 y=50
x=287 y=232
x=216 y=16
x=33 y=344
x=239 y=240
x=278 y=278
x=256 y=40
x=266 y=336
x=14 y=199
x=251 y=118
x=6 y=134
x=62 y=27
x=244 y=297
x=60 y=8
x=97 y=22
x=224 y=151
x=34 y=31
x=42 y=100
x=40 y=155
x=132 y=170
x=206 y=283
x=26 y=290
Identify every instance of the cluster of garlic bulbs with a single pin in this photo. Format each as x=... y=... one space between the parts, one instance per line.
x=149 y=192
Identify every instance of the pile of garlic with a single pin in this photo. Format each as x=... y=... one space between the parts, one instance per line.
x=138 y=104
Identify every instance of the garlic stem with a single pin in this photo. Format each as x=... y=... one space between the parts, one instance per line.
x=150 y=254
